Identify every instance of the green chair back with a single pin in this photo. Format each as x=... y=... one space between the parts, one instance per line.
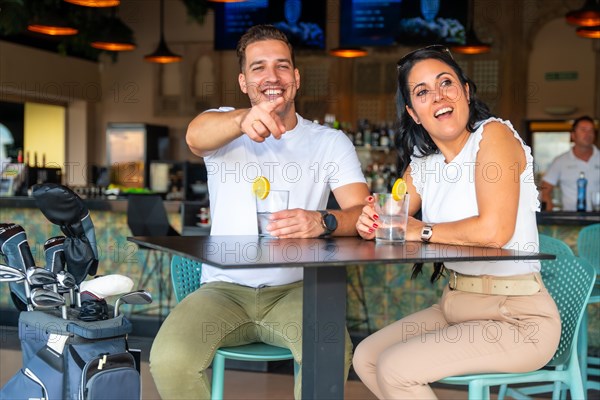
x=569 y=281
x=185 y=275
x=588 y=245
x=551 y=245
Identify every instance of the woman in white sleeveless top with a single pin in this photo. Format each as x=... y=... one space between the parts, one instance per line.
x=471 y=176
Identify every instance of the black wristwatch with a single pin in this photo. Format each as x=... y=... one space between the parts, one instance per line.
x=329 y=222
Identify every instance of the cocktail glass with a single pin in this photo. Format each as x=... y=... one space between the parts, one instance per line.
x=277 y=200
x=393 y=218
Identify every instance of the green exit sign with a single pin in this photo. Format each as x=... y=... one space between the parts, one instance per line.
x=562 y=76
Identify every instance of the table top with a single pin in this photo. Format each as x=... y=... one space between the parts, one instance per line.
x=254 y=251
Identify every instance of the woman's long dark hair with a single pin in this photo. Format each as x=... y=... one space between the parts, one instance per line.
x=412 y=136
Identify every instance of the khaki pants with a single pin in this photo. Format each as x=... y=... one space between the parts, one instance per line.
x=465 y=333
x=222 y=314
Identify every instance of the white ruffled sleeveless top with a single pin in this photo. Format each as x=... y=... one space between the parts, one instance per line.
x=448 y=194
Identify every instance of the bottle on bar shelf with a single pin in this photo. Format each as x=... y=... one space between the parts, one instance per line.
x=581 y=192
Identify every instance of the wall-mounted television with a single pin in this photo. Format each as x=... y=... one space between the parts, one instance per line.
x=408 y=22
x=303 y=21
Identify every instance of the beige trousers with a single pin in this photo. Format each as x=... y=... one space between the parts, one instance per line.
x=465 y=333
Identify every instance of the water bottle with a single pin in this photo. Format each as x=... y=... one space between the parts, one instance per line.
x=581 y=189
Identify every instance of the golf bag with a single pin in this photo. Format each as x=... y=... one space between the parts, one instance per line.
x=83 y=353
x=74 y=360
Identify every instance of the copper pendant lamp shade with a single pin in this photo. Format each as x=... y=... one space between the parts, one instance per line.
x=588 y=15
x=162 y=54
x=52 y=30
x=472 y=43
x=114 y=35
x=348 y=52
x=590 y=32
x=95 y=3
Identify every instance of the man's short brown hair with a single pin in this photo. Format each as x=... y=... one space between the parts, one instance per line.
x=257 y=33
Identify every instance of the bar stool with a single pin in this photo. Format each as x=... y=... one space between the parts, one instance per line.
x=146 y=216
x=185 y=275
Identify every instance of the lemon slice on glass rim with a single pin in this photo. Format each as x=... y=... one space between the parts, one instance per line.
x=261 y=187
x=399 y=189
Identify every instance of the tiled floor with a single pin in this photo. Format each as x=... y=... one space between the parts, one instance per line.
x=238 y=384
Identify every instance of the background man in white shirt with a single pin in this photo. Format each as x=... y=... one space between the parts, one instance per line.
x=566 y=168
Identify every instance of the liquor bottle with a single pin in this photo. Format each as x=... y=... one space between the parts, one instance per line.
x=581 y=192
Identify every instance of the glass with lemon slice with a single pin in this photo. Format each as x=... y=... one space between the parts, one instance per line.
x=268 y=201
x=392 y=209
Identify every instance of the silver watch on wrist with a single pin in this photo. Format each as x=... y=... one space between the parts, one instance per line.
x=426 y=233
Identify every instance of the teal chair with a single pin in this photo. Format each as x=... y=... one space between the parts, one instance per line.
x=185 y=274
x=552 y=245
x=569 y=280
x=588 y=247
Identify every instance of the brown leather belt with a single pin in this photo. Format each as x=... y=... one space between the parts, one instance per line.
x=516 y=285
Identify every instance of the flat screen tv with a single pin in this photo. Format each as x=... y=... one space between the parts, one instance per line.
x=408 y=22
x=303 y=21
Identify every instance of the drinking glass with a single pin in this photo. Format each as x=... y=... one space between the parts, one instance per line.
x=277 y=200
x=393 y=217
x=596 y=201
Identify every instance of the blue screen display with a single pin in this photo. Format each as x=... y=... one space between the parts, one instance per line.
x=302 y=21
x=410 y=22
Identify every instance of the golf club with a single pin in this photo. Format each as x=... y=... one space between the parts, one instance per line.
x=55 y=254
x=136 y=297
x=10 y=274
x=44 y=299
x=38 y=277
x=67 y=283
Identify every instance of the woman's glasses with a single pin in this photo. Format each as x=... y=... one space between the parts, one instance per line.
x=435 y=47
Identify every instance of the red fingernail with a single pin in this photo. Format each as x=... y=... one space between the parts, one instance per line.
x=375 y=226
x=375 y=216
x=370 y=198
x=370 y=230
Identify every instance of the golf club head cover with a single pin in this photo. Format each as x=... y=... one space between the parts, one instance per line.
x=15 y=249
x=105 y=286
x=54 y=250
x=63 y=207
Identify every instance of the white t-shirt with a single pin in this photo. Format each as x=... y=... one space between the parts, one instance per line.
x=564 y=172
x=310 y=161
x=448 y=194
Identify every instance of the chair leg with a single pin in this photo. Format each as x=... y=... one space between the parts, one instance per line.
x=477 y=391
x=502 y=392
x=576 y=384
x=218 y=377
x=582 y=347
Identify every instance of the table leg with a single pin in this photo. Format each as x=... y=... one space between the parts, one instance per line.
x=324 y=324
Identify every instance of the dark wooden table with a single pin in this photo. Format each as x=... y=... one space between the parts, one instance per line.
x=324 y=301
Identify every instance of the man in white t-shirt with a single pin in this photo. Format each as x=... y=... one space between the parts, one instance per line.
x=566 y=168
x=238 y=306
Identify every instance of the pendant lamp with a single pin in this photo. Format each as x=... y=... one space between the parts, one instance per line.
x=588 y=15
x=472 y=43
x=162 y=54
x=51 y=24
x=95 y=3
x=114 y=35
x=348 y=52
x=590 y=32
